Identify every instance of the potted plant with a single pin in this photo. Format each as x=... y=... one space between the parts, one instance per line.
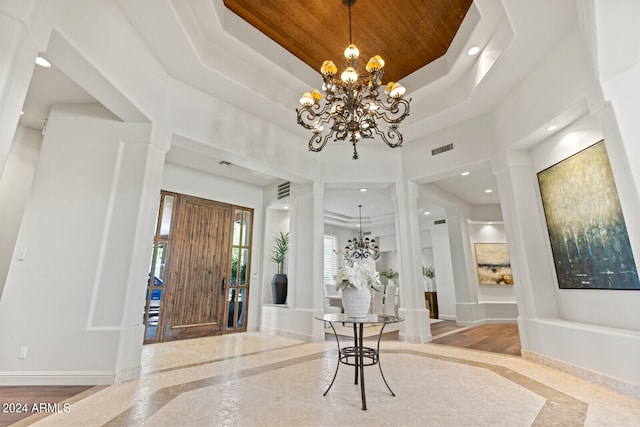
x=390 y=275
x=430 y=274
x=279 y=281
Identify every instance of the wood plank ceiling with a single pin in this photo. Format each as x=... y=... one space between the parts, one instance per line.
x=407 y=34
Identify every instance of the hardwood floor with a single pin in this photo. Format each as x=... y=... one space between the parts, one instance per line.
x=19 y=402
x=497 y=338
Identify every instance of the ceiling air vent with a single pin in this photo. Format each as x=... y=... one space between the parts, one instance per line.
x=284 y=190
x=439 y=221
x=442 y=149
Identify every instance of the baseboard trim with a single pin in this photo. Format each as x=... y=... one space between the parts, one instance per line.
x=486 y=321
x=289 y=334
x=415 y=339
x=594 y=377
x=470 y=323
x=56 y=378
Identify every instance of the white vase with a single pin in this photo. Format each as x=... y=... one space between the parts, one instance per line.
x=429 y=284
x=356 y=301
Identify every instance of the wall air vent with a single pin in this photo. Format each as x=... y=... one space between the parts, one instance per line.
x=442 y=149
x=284 y=190
x=439 y=221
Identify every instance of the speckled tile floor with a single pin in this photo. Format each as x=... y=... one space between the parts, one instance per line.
x=254 y=379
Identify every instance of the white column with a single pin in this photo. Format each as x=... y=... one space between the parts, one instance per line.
x=416 y=326
x=468 y=310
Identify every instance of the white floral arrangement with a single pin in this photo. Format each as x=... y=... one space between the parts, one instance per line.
x=356 y=274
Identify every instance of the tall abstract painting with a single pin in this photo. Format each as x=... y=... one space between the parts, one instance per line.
x=588 y=235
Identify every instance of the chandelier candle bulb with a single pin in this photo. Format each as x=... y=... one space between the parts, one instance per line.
x=306 y=99
x=350 y=76
x=329 y=69
x=351 y=52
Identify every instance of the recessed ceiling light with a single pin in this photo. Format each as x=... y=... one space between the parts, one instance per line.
x=286 y=208
x=488 y=190
x=43 y=62
x=427 y=213
x=473 y=50
x=21 y=112
x=363 y=189
x=464 y=173
x=552 y=127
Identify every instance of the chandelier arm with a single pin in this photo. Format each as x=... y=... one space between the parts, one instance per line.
x=307 y=117
x=367 y=133
x=392 y=133
x=340 y=131
x=339 y=128
x=317 y=142
x=395 y=112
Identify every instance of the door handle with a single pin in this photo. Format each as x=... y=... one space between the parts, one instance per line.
x=224 y=284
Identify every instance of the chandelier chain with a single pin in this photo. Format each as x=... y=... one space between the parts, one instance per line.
x=350 y=38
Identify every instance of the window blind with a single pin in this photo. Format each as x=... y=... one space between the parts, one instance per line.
x=330 y=258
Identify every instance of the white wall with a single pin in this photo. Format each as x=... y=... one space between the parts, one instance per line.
x=84 y=231
x=582 y=331
x=427 y=261
x=276 y=222
x=15 y=185
x=442 y=263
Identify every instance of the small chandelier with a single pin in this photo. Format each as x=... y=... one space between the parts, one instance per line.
x=359 y=248
x=351 y=107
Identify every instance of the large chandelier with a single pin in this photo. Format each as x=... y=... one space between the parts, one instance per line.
x=359 y=248
x=352 y=107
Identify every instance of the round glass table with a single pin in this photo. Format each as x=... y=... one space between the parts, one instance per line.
x=358 y=355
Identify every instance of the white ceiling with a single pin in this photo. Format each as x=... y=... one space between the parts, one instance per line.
x=50 y=86
x=173 y=44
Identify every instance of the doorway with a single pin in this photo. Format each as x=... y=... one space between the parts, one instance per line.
x=198 y=282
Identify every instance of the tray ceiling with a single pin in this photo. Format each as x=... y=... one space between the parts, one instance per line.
x=407 y=34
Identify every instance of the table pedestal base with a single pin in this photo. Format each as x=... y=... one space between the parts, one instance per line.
x=358 y=356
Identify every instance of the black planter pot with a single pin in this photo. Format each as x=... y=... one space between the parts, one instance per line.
x=279 y=288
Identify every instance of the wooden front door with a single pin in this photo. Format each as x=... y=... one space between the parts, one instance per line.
x=197 y=280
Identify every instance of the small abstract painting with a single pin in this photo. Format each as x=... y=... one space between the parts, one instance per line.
x=587 y=231
x=492 y=261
